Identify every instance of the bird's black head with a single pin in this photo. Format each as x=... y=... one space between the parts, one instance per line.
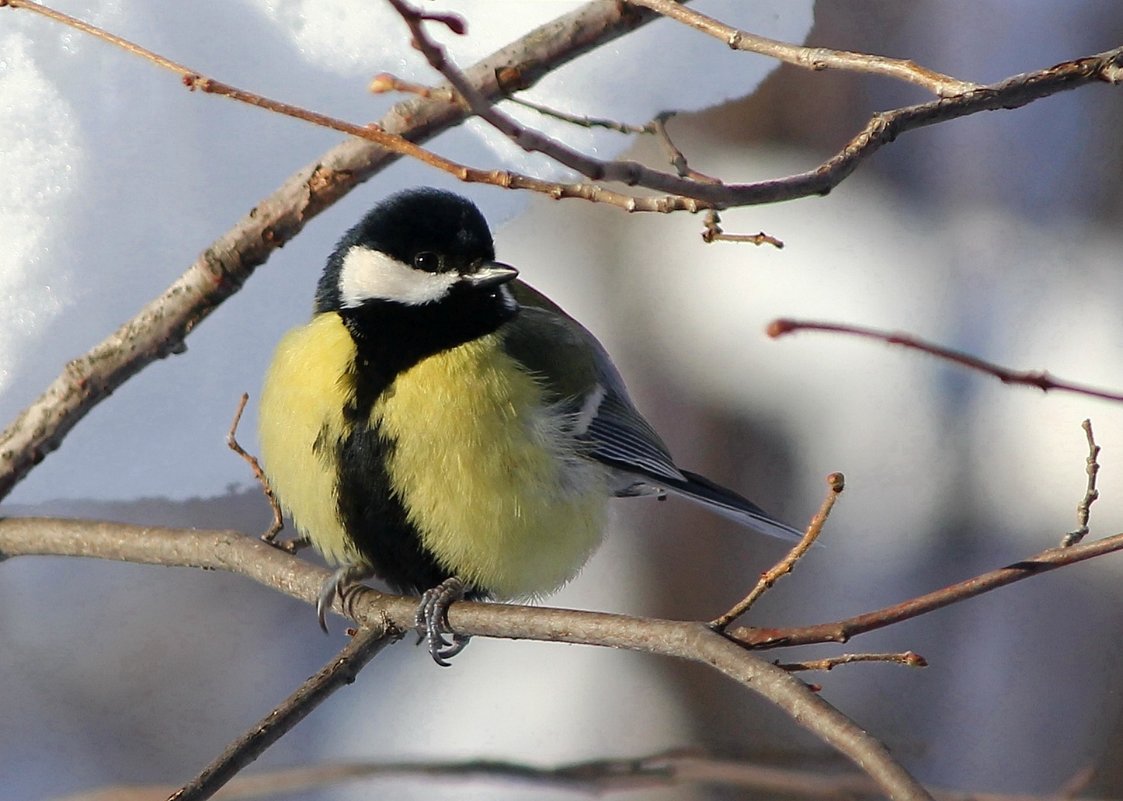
x=418 y=271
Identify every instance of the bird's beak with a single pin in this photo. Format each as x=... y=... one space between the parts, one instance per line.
x=491 y=273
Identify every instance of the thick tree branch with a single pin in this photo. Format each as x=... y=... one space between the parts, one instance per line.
x=383 y=614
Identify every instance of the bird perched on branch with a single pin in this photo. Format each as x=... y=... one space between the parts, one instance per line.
x=448 y=429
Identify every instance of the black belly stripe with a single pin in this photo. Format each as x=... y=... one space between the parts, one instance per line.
x=389 y=339
x=375 y=517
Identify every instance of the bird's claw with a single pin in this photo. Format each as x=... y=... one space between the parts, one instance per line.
x=337 y=585
x=432 y=620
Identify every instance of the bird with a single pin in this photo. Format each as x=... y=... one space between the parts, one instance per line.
x=441 y=425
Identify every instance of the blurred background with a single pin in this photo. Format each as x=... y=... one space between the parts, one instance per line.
x=998 y=234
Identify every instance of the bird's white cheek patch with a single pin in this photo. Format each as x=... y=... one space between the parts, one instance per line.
x=370 y=275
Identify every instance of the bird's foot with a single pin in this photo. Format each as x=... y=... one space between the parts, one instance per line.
x=338 y=584
x=432 y=620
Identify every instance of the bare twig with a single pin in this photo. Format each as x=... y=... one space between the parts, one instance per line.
x=674 y=155
x=528 y=139
x=812 y=58
x=386 y=82
x=383 y=614
x=836 y=482
x=713 y=232
x=907 y=658
x=340 y=671
x=1033 y=378
x=1091 y=494
x=843 y=630
x=270 y=534
x=584 y=121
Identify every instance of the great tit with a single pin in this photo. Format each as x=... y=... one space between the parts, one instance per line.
x=447 y=428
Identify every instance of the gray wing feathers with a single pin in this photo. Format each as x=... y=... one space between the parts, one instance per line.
x=580 y=376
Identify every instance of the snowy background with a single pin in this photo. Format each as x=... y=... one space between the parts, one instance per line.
x=998 y=234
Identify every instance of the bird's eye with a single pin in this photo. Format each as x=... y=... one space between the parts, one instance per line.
x=428 y=261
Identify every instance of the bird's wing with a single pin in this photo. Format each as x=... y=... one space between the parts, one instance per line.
x=578 y=373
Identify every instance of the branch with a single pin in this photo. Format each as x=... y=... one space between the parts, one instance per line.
x=382 y=614
x=906 y=658
x=1091 y=494
x=843 y=630
x=339 y=672
x=1033 y=378
x=812 y=58
x=278 y=522
x=713 y=232
x=835 y=484
x=883 y=127
x=161 y=327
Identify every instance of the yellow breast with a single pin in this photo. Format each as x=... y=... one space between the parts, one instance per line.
x=303 y=395
x=494 y=485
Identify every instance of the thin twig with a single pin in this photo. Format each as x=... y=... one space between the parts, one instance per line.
x=812 y=58
x=583 y=121
x=713 y=232
x=270 y=534
x=340 y=671
x=528 y=139
x=387 y=82
x=1033 y=378
x=1091 y=494
x=843 y=630
x=907 y=658
x=836 y=482
x=674 y=155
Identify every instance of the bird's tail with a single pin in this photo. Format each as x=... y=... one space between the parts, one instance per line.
x=729 y=504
